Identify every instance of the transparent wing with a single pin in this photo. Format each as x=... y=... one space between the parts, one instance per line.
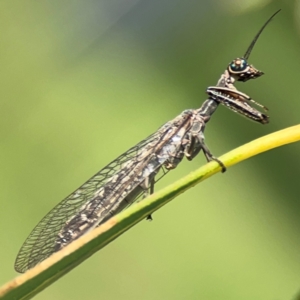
x=40 y=244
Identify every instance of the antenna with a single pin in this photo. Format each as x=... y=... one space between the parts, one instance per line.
x=247 y=54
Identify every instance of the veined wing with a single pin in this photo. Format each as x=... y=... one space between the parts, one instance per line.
x=101 y=192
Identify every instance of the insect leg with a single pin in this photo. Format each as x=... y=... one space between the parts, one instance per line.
x=208 y=155
x=196 y=143
x=148 y=187
x=151 y=191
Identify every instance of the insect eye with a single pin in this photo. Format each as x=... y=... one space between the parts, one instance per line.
x=238 y=65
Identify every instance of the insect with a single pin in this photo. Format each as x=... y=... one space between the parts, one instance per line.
x=132 y=175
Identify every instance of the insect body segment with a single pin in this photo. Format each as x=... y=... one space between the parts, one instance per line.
x=133 y=174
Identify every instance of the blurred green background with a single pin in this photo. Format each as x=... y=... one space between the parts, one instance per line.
x=83 y=81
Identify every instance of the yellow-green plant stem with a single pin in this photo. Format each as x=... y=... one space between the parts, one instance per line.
x=33 y=281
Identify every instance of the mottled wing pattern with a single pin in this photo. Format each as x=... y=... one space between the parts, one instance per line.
x=41 y=243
